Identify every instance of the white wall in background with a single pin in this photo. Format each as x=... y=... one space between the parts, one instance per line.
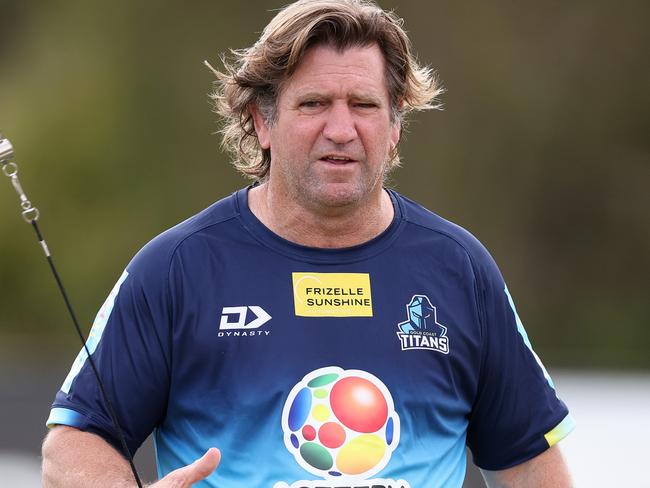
x=609 y=448
x=20 y=470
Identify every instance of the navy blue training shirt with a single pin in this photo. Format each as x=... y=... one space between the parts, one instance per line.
x=373 y=365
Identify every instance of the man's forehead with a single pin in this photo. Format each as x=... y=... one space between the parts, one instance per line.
x=324 y=56
x=356 y=69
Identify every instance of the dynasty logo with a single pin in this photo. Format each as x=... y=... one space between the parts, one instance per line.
x=235 y=321
x=422 y=330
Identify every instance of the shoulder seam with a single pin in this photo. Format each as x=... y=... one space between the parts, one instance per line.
x=448 y=235
x=184 y=238
x=173 y=251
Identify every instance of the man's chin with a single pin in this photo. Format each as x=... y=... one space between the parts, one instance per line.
x=339 y=195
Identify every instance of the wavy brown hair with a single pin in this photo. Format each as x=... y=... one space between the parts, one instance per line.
x=255 y=76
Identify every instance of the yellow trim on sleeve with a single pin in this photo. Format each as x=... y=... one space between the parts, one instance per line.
x=560 y=431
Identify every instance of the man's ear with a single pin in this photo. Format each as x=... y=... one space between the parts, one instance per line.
x=396 y=130
x=395 y=135
x=262 y=129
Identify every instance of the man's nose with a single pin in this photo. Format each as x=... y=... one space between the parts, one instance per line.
x=340 y=126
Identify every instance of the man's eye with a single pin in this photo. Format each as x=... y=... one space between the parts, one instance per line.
x=311 y=103
x=365 y=105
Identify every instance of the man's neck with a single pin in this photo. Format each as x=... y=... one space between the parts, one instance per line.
x=324 y=228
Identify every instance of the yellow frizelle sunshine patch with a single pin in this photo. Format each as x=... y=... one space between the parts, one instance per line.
x=332 y=294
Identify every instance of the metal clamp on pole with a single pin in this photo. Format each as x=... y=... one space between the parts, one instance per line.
x=10 y=169
x=6 y=150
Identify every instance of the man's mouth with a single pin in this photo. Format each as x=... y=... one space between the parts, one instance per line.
x=336 y=159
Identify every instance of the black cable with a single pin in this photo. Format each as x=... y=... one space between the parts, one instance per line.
x=107 y=400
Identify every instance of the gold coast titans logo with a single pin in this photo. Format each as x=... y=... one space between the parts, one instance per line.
x=422 y=330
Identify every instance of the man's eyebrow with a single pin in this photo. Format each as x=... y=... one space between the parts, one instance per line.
x=355 y=96
x=312 y=95
x=366 y=97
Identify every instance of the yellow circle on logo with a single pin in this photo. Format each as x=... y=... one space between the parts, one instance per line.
x=361 y=454
x=320 y=413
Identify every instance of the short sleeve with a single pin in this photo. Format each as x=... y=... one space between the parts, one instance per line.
x=516 y=414
x=129 y=342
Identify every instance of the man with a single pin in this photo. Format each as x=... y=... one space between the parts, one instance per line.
x=319 y=329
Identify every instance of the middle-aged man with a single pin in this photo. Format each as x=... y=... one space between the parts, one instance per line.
x=318 y=328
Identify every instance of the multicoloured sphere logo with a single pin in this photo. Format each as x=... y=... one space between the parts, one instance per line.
x=340 y=423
